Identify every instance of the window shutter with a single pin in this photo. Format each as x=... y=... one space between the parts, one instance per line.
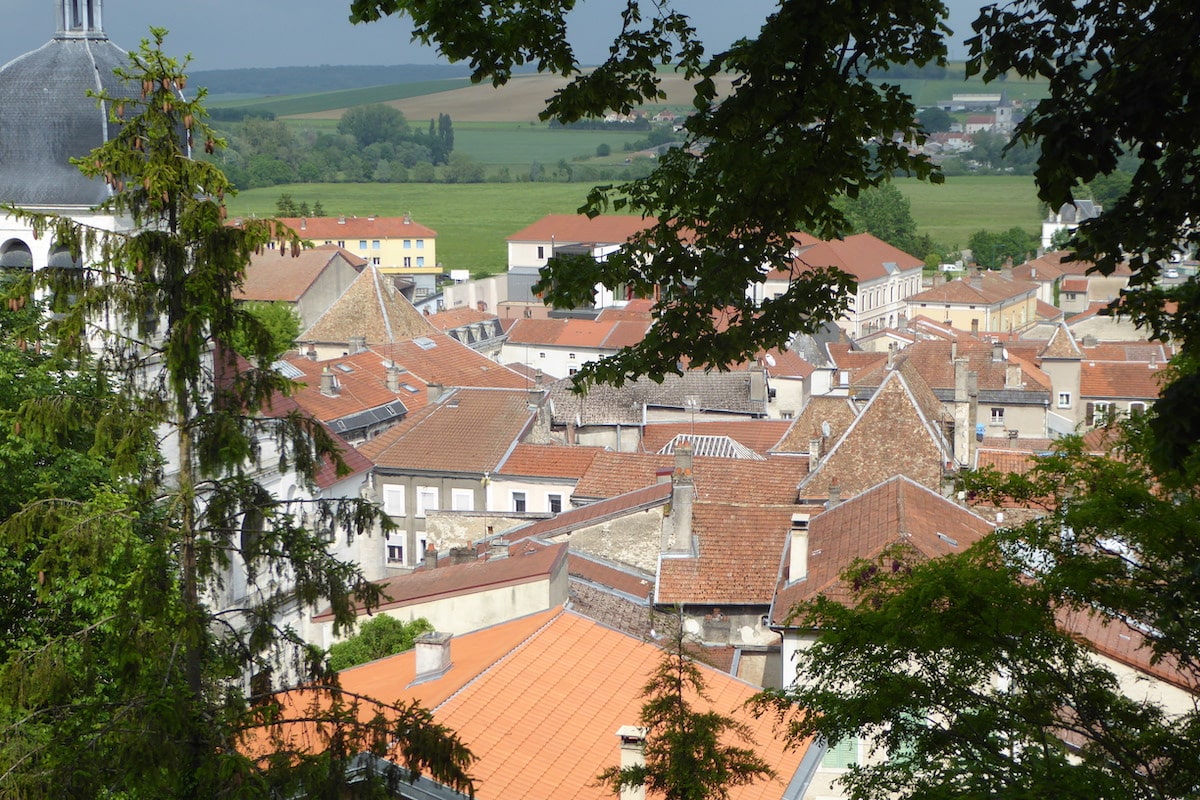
x=1090 y=414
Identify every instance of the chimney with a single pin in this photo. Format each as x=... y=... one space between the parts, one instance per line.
x=835 y=496
x=431 y=556
x=960 y=380
x=814 y=451
x=683 y=492
x=312 y=352
x=435 y=392
x=633 y=754
x=538 y=378
x=535 y=397
x=408 y=218
x=393 y=379
x=1089 y=340
x=342 y=220
x=432 y=656
x=758 y=384
x=357 y=344
x=303 y=224
x=798 y=563
x=976 y=279
x=891 y=357
x=329 y=386
x=997 y=350
x=1012 y=376
x=972 y=384
x=953 y=350
x=497 y=549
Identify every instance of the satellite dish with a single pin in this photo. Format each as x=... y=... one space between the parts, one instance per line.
x=825 y=429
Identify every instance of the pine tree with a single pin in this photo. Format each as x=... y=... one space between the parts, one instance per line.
x=135 y=685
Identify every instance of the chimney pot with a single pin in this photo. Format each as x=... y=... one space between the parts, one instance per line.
x=432 y=656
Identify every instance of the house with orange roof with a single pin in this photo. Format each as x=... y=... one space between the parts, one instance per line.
x=398 y=246
x=532 y=247
x=310 y=282
x=540 y=701
x=886 y=277
x=478 y=330
x=559 y=347
x=1114 y=389
x=539 y=477
x=441 y=457
x=985 y=301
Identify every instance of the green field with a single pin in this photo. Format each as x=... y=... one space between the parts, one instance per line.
x=472 y=220
x=347 y=98
x=515 y=145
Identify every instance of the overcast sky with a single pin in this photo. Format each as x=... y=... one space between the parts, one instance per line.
x=279 y=33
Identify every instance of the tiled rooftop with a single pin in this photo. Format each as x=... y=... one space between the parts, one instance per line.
x=760 y=435
x=362 y=385
x=549 y=461
x=580 y=229
x=897 y=510
x=727 y=392
x=861 y=255
x=1133 y=380
x=337 y=228
x=771 y=481
x=993 y=289
x=274 y=276
x=581 y=333
x=370 y=308
x=821 y=412
x=438 y=358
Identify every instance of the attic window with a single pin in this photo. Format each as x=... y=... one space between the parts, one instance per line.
x=343 y=367
x=409 y=387
x=425 y=343
x=948 y=540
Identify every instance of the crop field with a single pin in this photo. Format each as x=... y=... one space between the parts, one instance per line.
x=473 y=220
x=332 y=104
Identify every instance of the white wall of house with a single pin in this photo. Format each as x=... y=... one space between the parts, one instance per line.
x=558 y=361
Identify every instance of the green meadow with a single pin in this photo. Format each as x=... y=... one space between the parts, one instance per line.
x=473 y=220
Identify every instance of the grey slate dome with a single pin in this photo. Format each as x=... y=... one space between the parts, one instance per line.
x=46 y=116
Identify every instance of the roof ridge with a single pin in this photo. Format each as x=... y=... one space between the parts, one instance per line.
x=501 y=659
x=383 y=311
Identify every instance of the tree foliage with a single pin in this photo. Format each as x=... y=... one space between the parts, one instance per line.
x=132 y=681
x=278 y=319
x=688 y=752
x=994 y=249
x=379 y=637
x=373 y=123
x=973 y=671
x=886 y=214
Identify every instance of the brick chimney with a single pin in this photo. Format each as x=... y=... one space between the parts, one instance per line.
x=432 y=656
x=683 y=493
x=798 y=560
x=633 y=754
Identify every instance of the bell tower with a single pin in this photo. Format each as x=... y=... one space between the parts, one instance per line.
x=80 y=19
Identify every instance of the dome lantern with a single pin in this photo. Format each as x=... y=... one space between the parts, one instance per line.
x=80 y=19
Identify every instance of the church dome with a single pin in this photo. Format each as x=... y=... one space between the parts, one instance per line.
x=47 y=117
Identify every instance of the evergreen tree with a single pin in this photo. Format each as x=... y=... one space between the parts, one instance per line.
x=134 y=685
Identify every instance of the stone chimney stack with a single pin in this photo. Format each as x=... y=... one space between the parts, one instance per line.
x=357 y=344
x=891 y=357
x=997 y=350
x=683 y=494
x=976 y=280
x=798 y=561
x=1012 y=376
x=435 y=392
x=329 y=386
x=432 y=656
x=758 y=384
x=393 y=378
x=814 y=451
x=835 y=496
x=633 y=754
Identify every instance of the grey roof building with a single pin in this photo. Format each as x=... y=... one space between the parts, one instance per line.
x=48 y=117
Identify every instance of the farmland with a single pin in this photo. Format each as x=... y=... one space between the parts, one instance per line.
x=472 y=220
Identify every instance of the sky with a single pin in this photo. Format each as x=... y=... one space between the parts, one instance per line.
x=283 y=33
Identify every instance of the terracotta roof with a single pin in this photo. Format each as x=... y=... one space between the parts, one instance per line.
x=362 y=385
x=471 y=431
x=932 y=360
x=760 y=435
x=457 y=317
x=539 y=701
x=1050 y=267
x=636 y=310
x=583 y=333
x=861 y=255
x=898 y=510
x=1132 y=380
x=771 y=481
x=604 y=404
x=370 y=308
x=1074 y=283
x=855 y=361
x=357 y=464
x=1122 y=642
x=335 y=228
x=993 y=289
x=897 y=433
x=652 y=496
x=1017 y=462
x=737 y=556
x=820 y=411
x=1061 y=344
x=1046 y=311
x=1144 y=351
x=621 y=578
x=580 y=229
x=549 y=461
x=441 y=359
x=274 y=276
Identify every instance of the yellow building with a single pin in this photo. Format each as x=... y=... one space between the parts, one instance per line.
x=397 y=245
x=984 y=302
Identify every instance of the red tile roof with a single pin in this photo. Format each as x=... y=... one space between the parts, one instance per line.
x=273 y=276
x=993 y=290
x=372 y=308
x=583 y=333
x=362 y=384
x=339 y=228
x=896 y=511
x=760 y=435
x=580 y=229
x=819 y=413
x=737 y=561
x=717 y=479
x=647 y=497
x=441 y=359
x=457 y=317
x=934 y=362
x=539 y=702
x=472 y=431
x=549 y=461
x=1061 y=344
x=1133 y=380
x=861 y=255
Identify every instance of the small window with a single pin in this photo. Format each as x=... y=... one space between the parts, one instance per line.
x=462 y=499
x=362 y=244
x=395 y=554
x=420 y=244
x=427 y=500
x=408 y=244
x=408 y=261
x=393 y=501
x=518 y=501
x=571 y=356
x=420 y=261
x=997 y=416
x=1137 y=409
x=375 y=261
x=842 y=755
x=374 y=244
x=554 y=503
x=541 y=252
x=571 y=371
x=341 y=242
x=541 y=355
x=1064 y=399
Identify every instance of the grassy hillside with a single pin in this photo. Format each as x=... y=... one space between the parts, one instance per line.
x=473 y=220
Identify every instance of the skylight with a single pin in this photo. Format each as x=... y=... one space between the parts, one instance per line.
x=425 y=343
